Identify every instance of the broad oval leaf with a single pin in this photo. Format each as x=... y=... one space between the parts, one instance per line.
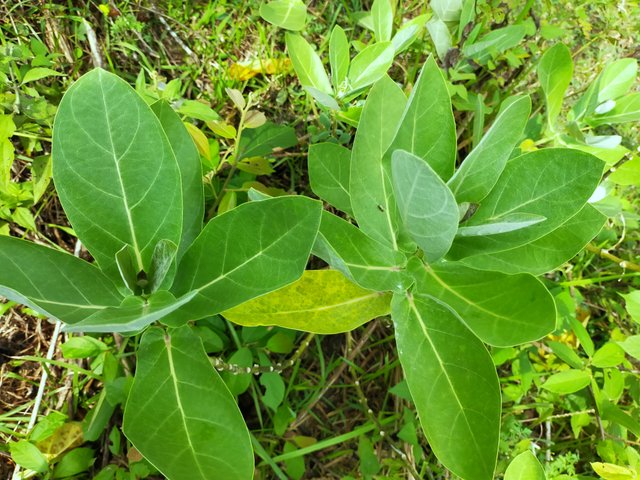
x=321 y=301
x=569 y=381
x=244 y=253
x=339 y=58
x=525 y=467
x=289 y=14
x=502 y=310
x=617 y=78
x=114 y=170
x=547 y=252
x=370 y=186
x=453 y=383
x=427 y=207
x=555 y=183
x=307 y=64
x=427 y=128
x=181 y=416
x=366 y=261
x=555 y=71
x=481 y=169
x=382 y=16
x=496 y=41
x=132 y=315
x=370 y=65
x=329 y=167
x=190 y=167
x=53 y=283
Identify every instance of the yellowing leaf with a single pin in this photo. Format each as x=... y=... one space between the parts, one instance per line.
x=243 y=71
x=200 y=139
x=256 y=166
x=222 y=129
x=528 y=145
x=321 y=301
x=610 y=471
x=65 y=438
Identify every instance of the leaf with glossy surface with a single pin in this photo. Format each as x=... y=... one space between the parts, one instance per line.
x=449 y=372
x=321 y=301
x=366 y=261
x=481 y=169
x=289 y=14
x=427 y=207
x=569 y=381
x=502 y=310
x=525 y=467
x=554 y=183
x=114 y=171
x=190 y=167
x=382 y=16
x=308 y=65
x=370 y=178
x=181 y=416
x=244 y=253
x=132 y=315
x=547 y=252
x=370 y=65
x=427 y=128
x=329 y=166
x=555 y=71
x=339 y=58
x=53 y=283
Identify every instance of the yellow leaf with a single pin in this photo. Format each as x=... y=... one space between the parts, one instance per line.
x=222 y=129
x=609 y=471
x=65 y=438
x=321 y=301
x=528 y=145
x=200 y=139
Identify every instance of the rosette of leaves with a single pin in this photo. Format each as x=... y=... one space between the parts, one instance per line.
x=129 y=178
x=455 y=251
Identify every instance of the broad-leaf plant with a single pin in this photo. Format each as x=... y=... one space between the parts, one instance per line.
x=452 y=254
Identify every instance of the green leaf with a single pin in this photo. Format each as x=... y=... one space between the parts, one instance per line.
x=27 y=455
x=408 y=33
x=370 y=179
x=133 y=314
x=617 y=78
x=631 y=345
x=627 y=109
x=447 y=10
x=494 y=42
x=382 y=15
x=609 y=471
x=370 y=65
x=427 y=206
x=163 y=267
x=364 y=260
x=53 y=283
x=339 y=58
x=607 y=356
x=114 y=170
x=329 y=166
x=74 y=462
x=627 y=174
x=453 y=383
x=525 y=467
x=440 y=36
x=481 y=169
x=261 y=141
x=502 y=310
x=246 y=252
x=322 y=301
x=508 y=223
x=569 y=381
x=289 y=14
x=180 y=415
x=190 y=167
x=308 y=66
x=547 y=252
x=566 y=354
x=39 y=73
x=632 y=304
x=555 y=71
x=554 y=183
x=82 y=347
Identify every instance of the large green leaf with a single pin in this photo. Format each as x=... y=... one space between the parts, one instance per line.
x=494 y=42
x=617 y=78
x=190 y=167
x=339 y=58
x=427 y=128
x=370 y=65
x=525 y=467
x=181 y=416
x=132 y=315
x=554 y=183
x=481 y=169
x=382 y=15
x=453 y=383
x=370 y=180
x=366 y=261
x=321 y=301
x=329 y=166
x=53 y=283
x=627 y=109
x=502 y=310
x=427 y=206
x=547 y=252
x=555 y=71
x=289 y=14
x=114 y=170
x=244 y=253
